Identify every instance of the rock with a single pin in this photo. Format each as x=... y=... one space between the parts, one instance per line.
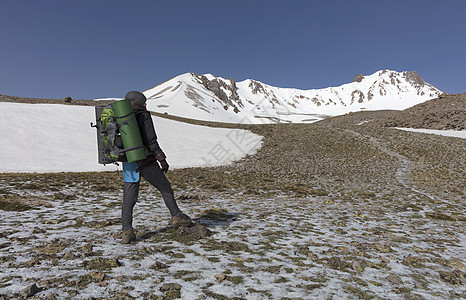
x=38 y=230
x=357 y=266
x=456 y=264
x=413 y=77
x=312 y=256
x=394 y=237
x=220 y=277
x=336 y=263
x=197 y=231
x=31 y=263
x=442 y=95
x=69 y=255
x=412 y=261
x=358 y=78
x=382 y=248
x=384 y=260
x=96 y=276
x=44 y=282
x=100 y=263
x=170 y=287
x=345 y=251
x=158 y=266
x=30 y=291
x=394 y=279
x=456 y=277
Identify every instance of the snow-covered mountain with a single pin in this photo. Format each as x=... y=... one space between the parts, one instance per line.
x=210 y=98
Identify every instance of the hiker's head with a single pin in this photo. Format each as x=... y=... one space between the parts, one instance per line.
x=137 y=98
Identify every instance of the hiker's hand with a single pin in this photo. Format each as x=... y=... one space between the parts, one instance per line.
x=164 y=165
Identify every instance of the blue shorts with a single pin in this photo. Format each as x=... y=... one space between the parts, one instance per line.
x=129 y=172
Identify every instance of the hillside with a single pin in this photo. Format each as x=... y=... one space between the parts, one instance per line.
x=446 y=112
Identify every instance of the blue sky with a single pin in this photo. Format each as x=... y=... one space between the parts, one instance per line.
x=104 y=48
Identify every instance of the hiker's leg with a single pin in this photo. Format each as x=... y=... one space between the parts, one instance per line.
x=130 y=196
x=155 y=176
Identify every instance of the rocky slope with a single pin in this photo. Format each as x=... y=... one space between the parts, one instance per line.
x=443 y=113
x=446 y=112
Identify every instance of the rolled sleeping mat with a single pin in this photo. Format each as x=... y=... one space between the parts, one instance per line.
x=129 y=130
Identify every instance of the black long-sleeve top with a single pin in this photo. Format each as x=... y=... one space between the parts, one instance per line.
x=148 y=135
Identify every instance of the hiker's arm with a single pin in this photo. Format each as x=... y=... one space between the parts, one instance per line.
x=148 y=131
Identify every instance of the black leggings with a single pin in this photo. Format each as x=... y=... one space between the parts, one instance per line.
x=154 y=175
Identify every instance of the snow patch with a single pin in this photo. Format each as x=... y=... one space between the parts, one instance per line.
x=58 y=138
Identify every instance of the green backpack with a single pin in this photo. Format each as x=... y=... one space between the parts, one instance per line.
x=110 y=127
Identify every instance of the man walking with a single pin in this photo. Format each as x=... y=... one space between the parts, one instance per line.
x=152 y=168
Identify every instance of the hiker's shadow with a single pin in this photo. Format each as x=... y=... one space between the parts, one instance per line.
x=209 y=219
x=213 y=218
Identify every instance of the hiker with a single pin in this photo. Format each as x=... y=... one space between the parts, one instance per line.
x=149 y=169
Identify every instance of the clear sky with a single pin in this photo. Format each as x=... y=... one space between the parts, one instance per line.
x=103 y=48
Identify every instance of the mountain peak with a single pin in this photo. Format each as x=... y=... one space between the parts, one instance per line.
x=211 y=98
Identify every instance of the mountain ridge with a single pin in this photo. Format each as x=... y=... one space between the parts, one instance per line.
x=210 y=98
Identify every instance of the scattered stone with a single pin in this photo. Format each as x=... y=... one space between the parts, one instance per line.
x=102 y=263
x=440 y=216
x=69 y=255
x=336 y=263
x=395 y=237
x=31 y=263
x=196 y=231
x=313 y=256
x=357 y=266
x=384 y=260
x=394 y=279
x=158 y=266
x=456 y=277
x=86 y=248
x=345 y=251
x=38 y=230
x=30 y=291
x=220 y=277
x=44 y=282
x=51 y=222
x=456 y=264
x=170 y=287
x=412 y=261
x=385 y=248
x=96 y=276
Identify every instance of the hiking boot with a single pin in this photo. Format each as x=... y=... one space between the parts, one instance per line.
x=181 y=220
x=128 y=236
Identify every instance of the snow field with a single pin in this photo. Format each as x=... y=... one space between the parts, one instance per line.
x=58 y=138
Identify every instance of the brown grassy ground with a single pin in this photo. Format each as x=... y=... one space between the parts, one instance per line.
x=320 y=210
